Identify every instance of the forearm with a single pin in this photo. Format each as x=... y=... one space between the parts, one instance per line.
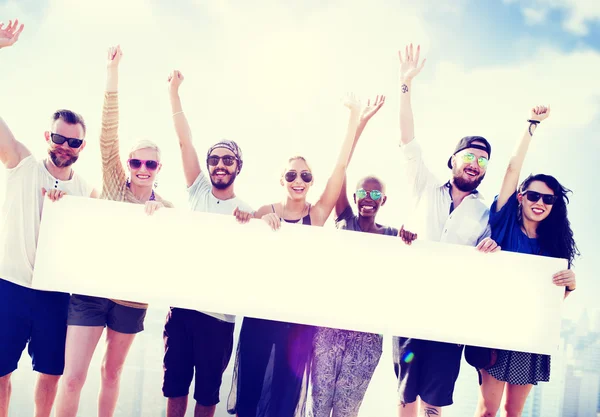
x=350 y=140
x=407 y=123
x=180 y=122
x=112 y=79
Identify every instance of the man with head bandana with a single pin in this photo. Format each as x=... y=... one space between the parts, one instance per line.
x=450 y=211
x=193 y=339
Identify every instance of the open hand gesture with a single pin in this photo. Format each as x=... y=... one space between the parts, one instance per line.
x=114 y=56
x=409 y=66
x=352 y=102
x=370 y=109
x=540 y=113
x=10 y=34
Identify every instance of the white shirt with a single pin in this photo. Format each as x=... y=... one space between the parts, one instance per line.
x=202 y=199
x=22 y=212
x=468 y=223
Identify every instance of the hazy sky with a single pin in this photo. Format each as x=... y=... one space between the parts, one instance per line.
x=270 y=75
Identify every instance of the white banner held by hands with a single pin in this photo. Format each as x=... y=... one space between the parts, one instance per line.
x=311 y=275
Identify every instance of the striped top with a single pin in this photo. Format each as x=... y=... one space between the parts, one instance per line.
x=114 y=176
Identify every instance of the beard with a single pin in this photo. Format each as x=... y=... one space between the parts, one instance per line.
x=223 y=185
x=466 y=185
x=62 y=159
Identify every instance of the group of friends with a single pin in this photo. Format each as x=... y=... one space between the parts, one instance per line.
x=281 y=369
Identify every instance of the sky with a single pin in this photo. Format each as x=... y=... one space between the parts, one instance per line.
x=271 y=76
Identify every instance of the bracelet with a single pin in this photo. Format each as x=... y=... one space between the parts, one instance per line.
x=532 y=122
x=175 y=114
x=567 y=289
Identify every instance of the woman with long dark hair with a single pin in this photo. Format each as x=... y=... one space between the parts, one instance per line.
x=530 y=219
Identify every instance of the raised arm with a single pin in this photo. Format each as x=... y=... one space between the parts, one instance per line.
x=113 y=173
x=322 y=209
x=409 y=68
x=513 y=171
x=11 y=151
x=368 y=112
x=191 y=165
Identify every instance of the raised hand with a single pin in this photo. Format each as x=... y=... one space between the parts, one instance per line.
x=352 y=102
x=409 y=66
x=9 y=35
x=539 y=113
x=370 y=109
x=114 y=56
x=175 y=79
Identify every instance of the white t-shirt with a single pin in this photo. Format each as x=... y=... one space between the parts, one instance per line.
x=202 y=199
x=22 y=212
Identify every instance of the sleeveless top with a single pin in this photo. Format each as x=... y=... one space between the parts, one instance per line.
x=305 y=219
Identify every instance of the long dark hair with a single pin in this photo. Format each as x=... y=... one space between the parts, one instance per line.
x=554 y=232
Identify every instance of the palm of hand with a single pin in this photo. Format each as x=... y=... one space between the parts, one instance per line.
x=409 y=69
x=8 y=37
x=352 y=102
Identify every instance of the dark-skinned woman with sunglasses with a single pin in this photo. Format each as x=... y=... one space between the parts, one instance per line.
x=89 y=315
x=280 y=390
x=344 y=361
x=531 y=219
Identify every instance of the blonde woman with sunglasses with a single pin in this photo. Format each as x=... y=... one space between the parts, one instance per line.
x=280 y=390
x=89 y=315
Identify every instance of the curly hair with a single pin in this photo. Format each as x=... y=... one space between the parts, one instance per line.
x=554 y=232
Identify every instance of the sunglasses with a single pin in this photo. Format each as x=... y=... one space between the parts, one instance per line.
x=228 y=160
x=306 y=176
x=374 y=194
x=151 y=164
x=469 y=157
x=534 y=197
x=60 y=139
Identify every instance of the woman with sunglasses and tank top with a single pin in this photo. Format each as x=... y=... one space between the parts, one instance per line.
x=89 y=315
x=533 y=220
x=280 y=390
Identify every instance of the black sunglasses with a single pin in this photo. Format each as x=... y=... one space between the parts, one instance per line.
x=306 y=176
x=60 y=139
x=534 y=197
x=228 y=160
x=151 y=164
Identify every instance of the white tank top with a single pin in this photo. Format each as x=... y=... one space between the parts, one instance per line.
x=21 y=214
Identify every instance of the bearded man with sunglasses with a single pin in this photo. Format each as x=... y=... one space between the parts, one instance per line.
x=450 y=212
x=28 y=316
x=194 y=339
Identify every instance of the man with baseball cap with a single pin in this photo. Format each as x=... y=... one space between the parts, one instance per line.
x=195 y=339
x=450 y=212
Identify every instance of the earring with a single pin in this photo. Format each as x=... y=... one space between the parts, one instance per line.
x=155 y=184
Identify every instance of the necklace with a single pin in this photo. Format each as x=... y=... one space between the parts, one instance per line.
x=70 y=174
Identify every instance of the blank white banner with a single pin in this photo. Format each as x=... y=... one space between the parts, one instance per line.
x=310 y=275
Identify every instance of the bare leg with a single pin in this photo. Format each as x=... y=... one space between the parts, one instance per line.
x=117 y=348
x=204 y=411
x=176 y=407
x=408 y=409
x=490 y=395
x=516 y=395
x=428 y=410
x=80 y=346
x=44 y=394
x=5 y=390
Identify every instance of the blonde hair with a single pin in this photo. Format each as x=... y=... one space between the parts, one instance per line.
x=295 y=158
x=144 y=144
